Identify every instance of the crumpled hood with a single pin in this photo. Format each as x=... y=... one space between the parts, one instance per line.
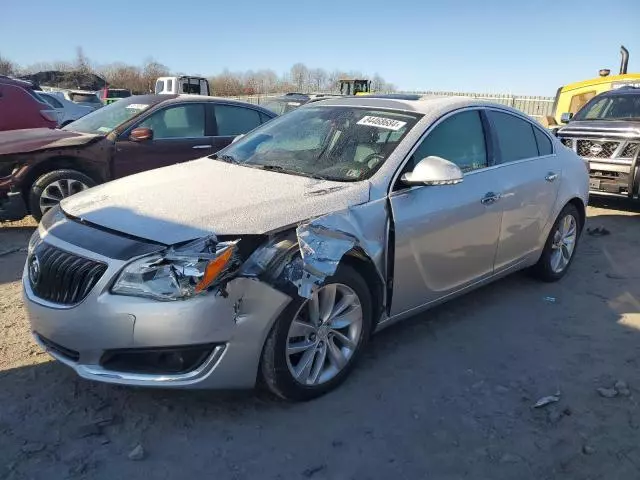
x=190 y=200
x=596 y=127
x=33 y=139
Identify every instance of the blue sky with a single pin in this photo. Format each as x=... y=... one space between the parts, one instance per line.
x=520 y=46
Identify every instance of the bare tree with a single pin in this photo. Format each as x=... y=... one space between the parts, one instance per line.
x=318 y=78
x=82 y=63
x=300 y=76
x=150 y=73
x=7 y=67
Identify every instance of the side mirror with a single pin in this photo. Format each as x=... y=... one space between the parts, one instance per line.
x=141 y=134
x=566 y=117
x=237 y=137
x=433 y=171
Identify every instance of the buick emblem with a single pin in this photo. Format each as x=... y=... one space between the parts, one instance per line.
x=595 y=149
x=34 y=269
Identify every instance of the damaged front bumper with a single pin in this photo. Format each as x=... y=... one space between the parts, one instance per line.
x=233 y=328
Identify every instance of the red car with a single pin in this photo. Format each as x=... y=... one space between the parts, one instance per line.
x=21 y=107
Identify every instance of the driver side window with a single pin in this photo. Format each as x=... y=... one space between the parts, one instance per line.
x=182 y=121
x=459 y=139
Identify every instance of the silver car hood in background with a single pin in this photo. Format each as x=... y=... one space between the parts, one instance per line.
x=190 y=200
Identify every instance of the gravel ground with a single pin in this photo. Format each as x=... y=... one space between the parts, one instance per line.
x=445 y=395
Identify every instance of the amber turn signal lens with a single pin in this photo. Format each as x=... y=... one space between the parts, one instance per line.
x=214 y=269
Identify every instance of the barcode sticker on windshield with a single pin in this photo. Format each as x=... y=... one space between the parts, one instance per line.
x=137 y=106
x=381 y=122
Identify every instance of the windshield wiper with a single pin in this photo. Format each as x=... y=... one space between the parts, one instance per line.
x=225 y=158
x=280 y=169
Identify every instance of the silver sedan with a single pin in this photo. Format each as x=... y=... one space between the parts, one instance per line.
x=274 y=260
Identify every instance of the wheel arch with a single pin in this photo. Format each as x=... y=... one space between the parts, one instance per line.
x=52 y=164
x=364 y=265
x=582 y=210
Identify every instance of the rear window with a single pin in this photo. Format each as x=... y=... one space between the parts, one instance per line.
x=84 y=98
x=36 y=96
x=118 y=94
x=159 y=86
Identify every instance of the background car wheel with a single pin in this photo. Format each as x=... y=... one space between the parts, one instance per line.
x=50 y=188
x=315 y=342
x=560 y=247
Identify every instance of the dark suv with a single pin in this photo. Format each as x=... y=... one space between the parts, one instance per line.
x=39 y=167
x=606 y=133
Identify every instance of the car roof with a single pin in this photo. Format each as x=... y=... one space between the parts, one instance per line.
x=16 y=81
x=153 y=98
x=425 y=105
x=625 y=90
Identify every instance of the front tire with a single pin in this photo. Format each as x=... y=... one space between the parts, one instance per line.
x=560 y=247
x=315 y=343
x=52 y=187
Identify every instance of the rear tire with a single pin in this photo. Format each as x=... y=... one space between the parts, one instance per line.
x=553 y=263
x=333 y=350
x=47 y=191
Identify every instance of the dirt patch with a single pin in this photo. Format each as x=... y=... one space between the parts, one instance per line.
x=447 y=394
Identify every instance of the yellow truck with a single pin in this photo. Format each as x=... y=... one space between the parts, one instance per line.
x=570 y=98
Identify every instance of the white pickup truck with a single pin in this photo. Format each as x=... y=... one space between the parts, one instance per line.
x=182 y=85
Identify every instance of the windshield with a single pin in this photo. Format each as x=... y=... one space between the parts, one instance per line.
x=280 y=106
x=611 y=107
x=84 y=98
x=335 y=143
x=106 y=119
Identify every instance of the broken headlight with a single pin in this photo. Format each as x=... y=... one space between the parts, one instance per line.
x=179 y=273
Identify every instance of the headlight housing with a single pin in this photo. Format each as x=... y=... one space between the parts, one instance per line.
x=179 y=273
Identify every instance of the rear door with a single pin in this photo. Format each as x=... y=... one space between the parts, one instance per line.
x=180 y=133
x=233 y=120
x=532 y=176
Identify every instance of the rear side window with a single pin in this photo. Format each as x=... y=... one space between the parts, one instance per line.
x=35 y=95
x=52 y=101
x=234 y=120
x=459 y=139
x=264 y=118
x=544 y=144
x=170 y=85
x=516 y=140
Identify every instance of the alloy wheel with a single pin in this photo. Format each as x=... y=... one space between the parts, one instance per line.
x=324 y=334
x=58 y=190
x=564 y=243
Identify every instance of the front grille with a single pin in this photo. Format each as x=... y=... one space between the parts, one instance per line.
x=62 y=277
x=567 y=142
x=630 y=150
x=591 y=149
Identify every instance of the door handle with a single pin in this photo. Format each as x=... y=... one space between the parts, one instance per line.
x=490 y=198
x=198 y=147
x=551 y=177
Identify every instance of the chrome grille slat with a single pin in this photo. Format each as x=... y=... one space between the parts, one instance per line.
x=64 y=277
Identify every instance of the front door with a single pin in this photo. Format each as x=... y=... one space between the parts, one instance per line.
x=446 y=236
x=179 y=135
x=531 y=177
